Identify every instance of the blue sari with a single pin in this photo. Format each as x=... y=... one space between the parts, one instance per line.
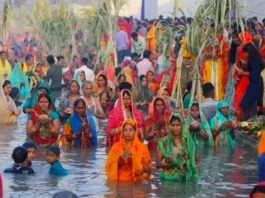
x=17 y=77
x=76 y=124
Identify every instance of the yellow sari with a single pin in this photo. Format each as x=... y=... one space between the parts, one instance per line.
x=139 y=153
x=7 y=107
x=5 y=71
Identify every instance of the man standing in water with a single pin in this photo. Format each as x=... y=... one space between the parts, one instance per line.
x=54 y=76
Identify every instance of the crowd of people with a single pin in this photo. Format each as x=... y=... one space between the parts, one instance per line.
x=135 y=101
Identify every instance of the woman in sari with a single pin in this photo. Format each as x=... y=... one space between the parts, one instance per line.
x=144 y=96
x=68 y=99
x=43 y=125
x=80 y=129
x=101 y=86
x=156 y=124
x=222 y=126
x=121 y=78
x=151 y=81
x=9 y=112
x=176 y=153
x=124 y=110
x=19 y=79
x=241 y=73
x=163 y=93
x=199 y=128
x=80 y=77
x=35 y=77
x=5 y=67
x=32 y=100
x=129 y=159
x=151 y=38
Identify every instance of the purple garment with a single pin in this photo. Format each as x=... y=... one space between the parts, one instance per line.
x=121 y=40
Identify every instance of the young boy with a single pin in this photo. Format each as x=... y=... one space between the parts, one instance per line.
x=53 y=157
x=19 y=156
x=32 y=149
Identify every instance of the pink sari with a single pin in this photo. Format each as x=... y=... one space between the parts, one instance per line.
x=116 y=118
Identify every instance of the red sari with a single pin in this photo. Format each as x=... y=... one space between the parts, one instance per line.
x=42 y=137
x=242 y=81
x=153 y=120
x=116 y=118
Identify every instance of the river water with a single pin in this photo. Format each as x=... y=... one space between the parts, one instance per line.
x=222 y=174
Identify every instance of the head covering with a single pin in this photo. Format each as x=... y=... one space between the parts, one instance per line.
x=78 y=80
x=246 y=38
x=76 y=124
x=181 y=168
x=118 y=115
x=144 y=93
x=204 y=125
x=159 y=94
x=139 y=153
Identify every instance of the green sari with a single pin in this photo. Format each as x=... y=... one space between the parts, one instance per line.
x=204 y=125
x=224 y=138
x=183 y=167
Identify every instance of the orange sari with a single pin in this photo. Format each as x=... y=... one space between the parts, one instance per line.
x=139 y=153
x=261 y=147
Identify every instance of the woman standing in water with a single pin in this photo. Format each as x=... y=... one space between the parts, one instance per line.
x=199 y=128
x=124 y=110
x=35 y=77
x=176 y=153
x=80 y=129
x=67 y=100
x=129 y=159
x=222 y=126
x=156 y=124
x=43 y=125
x=9 y=112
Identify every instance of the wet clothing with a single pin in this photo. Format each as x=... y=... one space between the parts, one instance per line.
x=55 y=75
x=57 y=169
x=18 y=169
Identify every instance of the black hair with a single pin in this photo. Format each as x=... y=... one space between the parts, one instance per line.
x=147 y=54
x=65 y=194
x=126 y=92
x=117 y=71
x=134 y=54
x=28 y=145
x=54 y=149
x=142 y=77
x=157 y=99
x=252 y=52
x=125 y=85
x=173 y=118
x=195 y=104
x=59 y=58
x=28 y=57
x=122 y=75
x=254 y=18
x=138 y=28
x=129 y=124
x=207 y=88
x=84 y=60
x=79 y=100
x=14 y=92
x=263 y=20
x=44 y=95
x=104 y=77
x=20 y=154
x=3 y=52
x=134 y=34
x=50 y=59
x=6 y=83
x=188 y=87
x=75 y=56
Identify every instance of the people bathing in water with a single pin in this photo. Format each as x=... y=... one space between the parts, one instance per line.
x=32 y=150
x=43 y=124
x=19 y=155
x=129 y=158
x=80 y=129
x=9 y=111
x=53 y=158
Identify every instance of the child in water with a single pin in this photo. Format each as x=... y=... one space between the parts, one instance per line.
x=19 y=155
x=53 y=157
x=32 y=149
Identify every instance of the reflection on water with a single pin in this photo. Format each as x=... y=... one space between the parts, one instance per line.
x=222 y=174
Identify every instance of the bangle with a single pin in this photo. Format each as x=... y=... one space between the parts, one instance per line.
x=164 y=162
